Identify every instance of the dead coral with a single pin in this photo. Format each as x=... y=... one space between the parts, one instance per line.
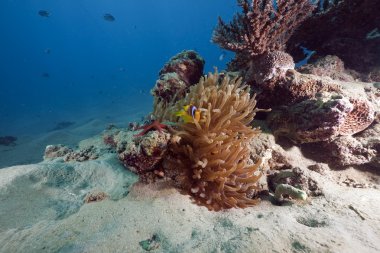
x=261 y=27
x=210 y=159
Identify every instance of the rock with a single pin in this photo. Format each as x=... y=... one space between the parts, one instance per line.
x=296 y=178
x=55 y=151
x=142 y=154
x=182 y=71
x=323 y=118
x=330 y=65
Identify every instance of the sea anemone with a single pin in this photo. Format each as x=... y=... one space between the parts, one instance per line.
x=210 y=159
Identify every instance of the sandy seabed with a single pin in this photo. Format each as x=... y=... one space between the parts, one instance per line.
x=43 y=210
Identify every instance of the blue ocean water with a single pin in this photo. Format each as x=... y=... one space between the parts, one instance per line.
x=74 y=64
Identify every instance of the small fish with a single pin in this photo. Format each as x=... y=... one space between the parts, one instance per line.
x=47 y=51
x=109 y=17
x=44 y=13
x=221 y=56
x=189 y=114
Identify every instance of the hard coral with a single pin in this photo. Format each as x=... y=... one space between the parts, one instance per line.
x=344 y=29
x=269 y=65
x=182 y=71
x=143 y=154
x=261 y=27
x=330 y=65
x=210 y=159
x=292 y=88
x=323 y=118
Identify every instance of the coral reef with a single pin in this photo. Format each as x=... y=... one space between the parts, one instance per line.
x=260 y=28
x=347 y=150
x=55 y=151
x=293 y=88
x=346 y=29
x=329 y=65
x=142 y=154
x=323 y=118
x=84 y=154
x=269 y=65
x=182 y=71
x=210 y=159
x=363 y=148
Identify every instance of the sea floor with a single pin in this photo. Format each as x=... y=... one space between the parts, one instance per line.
x=44 y=209
x=67 y=127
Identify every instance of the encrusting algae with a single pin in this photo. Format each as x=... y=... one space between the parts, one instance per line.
x=209 y=158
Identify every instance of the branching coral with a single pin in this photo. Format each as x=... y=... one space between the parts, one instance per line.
x=261 y=27
x=210 y=158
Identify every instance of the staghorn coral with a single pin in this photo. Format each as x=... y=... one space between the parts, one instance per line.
x=260 y=28
x=210 y=159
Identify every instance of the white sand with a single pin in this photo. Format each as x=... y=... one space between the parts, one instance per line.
x=42 y=210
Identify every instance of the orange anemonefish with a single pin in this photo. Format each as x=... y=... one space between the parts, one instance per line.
x=189 y=114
